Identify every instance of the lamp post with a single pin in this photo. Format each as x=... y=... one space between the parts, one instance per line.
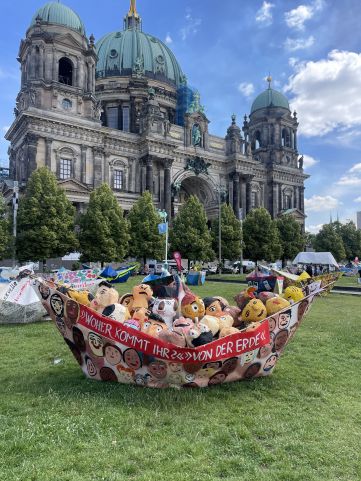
x=163 y=215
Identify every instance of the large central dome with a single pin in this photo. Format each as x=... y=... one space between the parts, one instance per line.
x=132 y=51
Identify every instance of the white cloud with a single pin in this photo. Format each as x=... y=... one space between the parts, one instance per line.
x=356 y=168
x=314 y=229
x=247 y=89
x=191 y=26
x=292 y=61
x=264 y=14
x=352 y=178
x=296 y=17
x=293 y=44
x=168 y=39
x=327 y=93
x=309 y=161
x=319 y=203
x=358 y=199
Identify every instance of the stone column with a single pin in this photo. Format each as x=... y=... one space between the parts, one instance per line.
x=280 y=199
x=48 y=145
x=142 y=177
x=236 y=194
x=302 y=199
x=55 y=67
x=81 y=73
x=98 y=156
x=83 y=149
x=249 y=193
x=107 y=179
x=89 y=83
x=41 y=62
x=167 y=188
x=274 y=200
x=48 y=65
x=295 y=139
x=149 y=175
x=32 y=141
x=243 y=197
x=295 y=197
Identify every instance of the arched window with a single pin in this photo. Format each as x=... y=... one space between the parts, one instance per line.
x=65 y=71
x=285 y=138
x=257 y=140
x=287 y=199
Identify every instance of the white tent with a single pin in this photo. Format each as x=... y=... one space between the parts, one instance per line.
x=316 y=258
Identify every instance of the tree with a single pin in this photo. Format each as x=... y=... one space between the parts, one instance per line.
x=309 y=239
x=45 y=226
x=292 y=241
x=104 y=232
x=328 y=240
x=351 y=238
x=261 y=237
x=230 y=234
x=190 y=234
x=4 y=229
x=145 y=240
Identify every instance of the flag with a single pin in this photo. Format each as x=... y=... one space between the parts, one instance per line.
x=163 y=228
x=178 y=258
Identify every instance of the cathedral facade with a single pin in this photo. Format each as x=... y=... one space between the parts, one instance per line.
x=119 y=111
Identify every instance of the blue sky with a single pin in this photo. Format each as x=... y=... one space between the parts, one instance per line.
x=226 y=49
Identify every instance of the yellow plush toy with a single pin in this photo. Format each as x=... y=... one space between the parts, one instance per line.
x=304 y=276
x=293 y=293
x=276 y=304
x=254 y=311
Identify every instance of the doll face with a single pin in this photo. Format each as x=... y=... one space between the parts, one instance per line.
x=132 y=359
x=127 y=301
x=184 y=324
x=143 y=290
x=194 y=309
x=112 y=354
x=105 y=296
x=96 y=344
x=158 y=369
x=140 y=314
x=155 y=328
x=254 y=311
x=166 y=308
x=214 y=309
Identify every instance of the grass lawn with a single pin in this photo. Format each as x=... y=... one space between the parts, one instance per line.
x=303 y=423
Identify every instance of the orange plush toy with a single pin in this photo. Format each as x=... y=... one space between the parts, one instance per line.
x=193 y=307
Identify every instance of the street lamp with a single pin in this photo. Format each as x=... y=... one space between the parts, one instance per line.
x=163 y=215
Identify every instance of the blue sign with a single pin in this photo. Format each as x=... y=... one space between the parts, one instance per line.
x=162 y=228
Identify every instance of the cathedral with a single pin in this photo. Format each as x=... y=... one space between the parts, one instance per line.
x=119 y=111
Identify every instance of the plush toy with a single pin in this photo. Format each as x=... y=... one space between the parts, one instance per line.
x=142 y=295
x=183 y=324
x=155 y=328
x=134 y=324
x=198 y=335
x=213 y=306
x=235 y=313
x=225 y=321
x=117 y=312
x=254 y=311
x=213 y=324
x=192 y=306
x=105 y=296
x=265 y=295
x=293 y=294
x=174 y=336
x=276 y=304
x=82 y=297
x=127 y=301
x=227 y=331
x=222 y=300
x=167 y=309
x=244 y=297
x=303 y=276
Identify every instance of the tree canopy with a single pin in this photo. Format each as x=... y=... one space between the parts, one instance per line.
x=329 y=240
x=292 y=241
x=190 y=234
x=351 y=238
x=261 y=236
x=230 y=234
x=45 y=222
x=104 y=232
x=145 y=240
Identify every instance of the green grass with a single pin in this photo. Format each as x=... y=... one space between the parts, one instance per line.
x=303 y=423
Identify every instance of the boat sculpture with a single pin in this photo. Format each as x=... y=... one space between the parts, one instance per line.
x=109 y=351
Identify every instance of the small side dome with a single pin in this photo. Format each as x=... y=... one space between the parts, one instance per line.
x=270 y=98
x=59 y=14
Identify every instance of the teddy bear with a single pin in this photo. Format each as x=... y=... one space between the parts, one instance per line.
x=192 y=306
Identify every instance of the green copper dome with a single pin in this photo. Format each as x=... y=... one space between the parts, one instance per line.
x=132 y=51
x=59 y=14
x=270 y=98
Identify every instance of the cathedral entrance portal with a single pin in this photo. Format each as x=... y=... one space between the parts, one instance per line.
x=200 y=186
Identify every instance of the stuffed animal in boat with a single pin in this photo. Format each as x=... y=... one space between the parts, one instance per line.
x=82 y=297
x=243 y=298
x=213 y=306
x=293 y=294
x=105 y=296
x=254 y=311
x=192 y=306
x=127 y=301
x=142 y=295
x=276 y=304
x=167 y=309
x=199 y=335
